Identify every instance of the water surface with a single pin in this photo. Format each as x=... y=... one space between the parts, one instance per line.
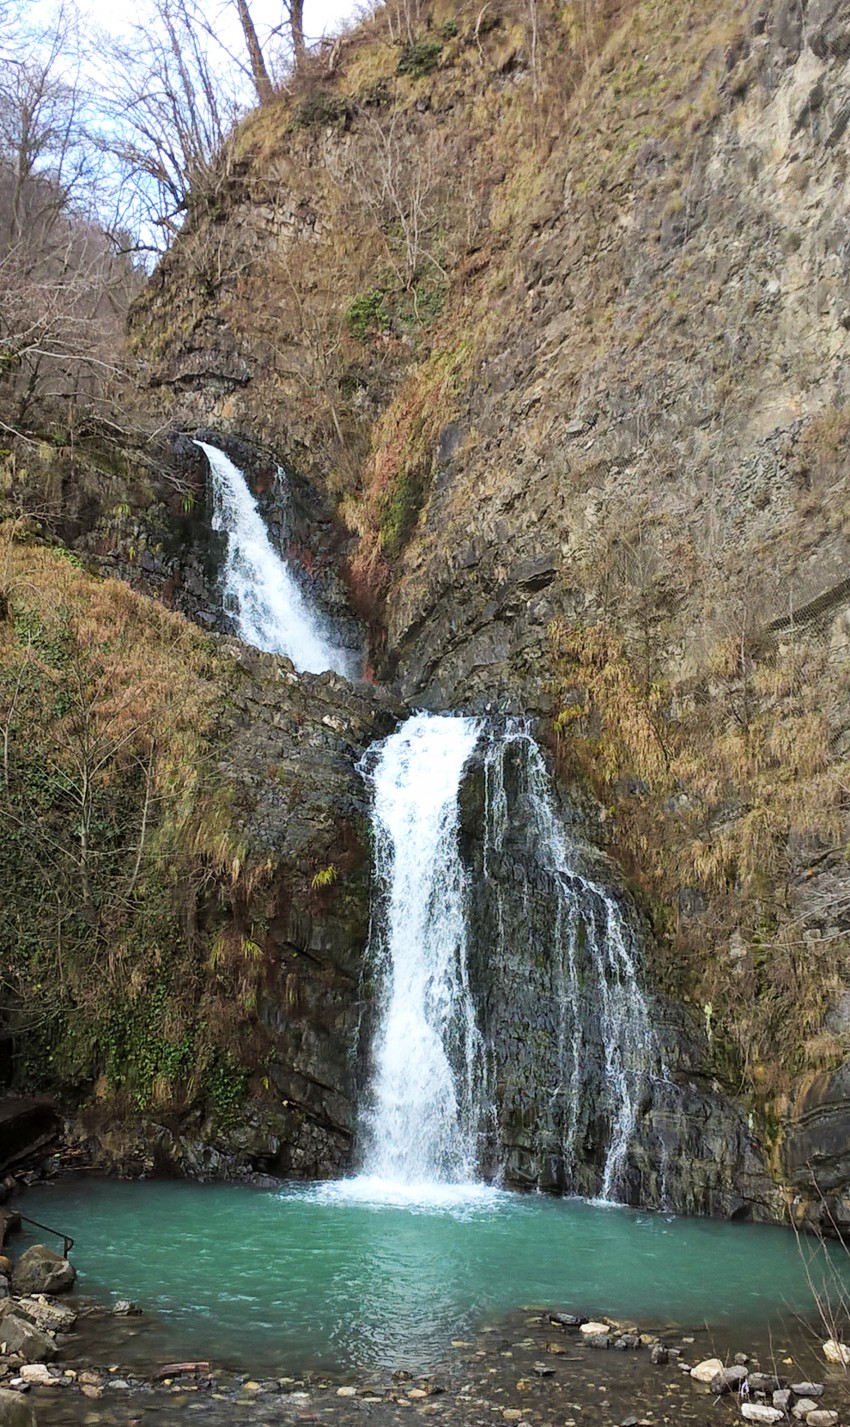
x=346 y=1277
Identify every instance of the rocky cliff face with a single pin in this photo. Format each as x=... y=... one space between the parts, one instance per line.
x=552 y=307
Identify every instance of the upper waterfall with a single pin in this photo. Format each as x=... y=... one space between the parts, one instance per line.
x=267 y=606
x=425 y=1105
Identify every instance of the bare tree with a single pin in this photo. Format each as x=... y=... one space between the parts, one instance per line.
x=63 y=292
x=165 y=117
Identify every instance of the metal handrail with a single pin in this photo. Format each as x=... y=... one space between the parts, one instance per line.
x=66 y=1239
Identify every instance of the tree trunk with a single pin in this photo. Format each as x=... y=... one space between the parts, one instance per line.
x=296 y=29
x=260 y=75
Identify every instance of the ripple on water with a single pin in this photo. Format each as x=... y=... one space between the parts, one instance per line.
x=362 y=1274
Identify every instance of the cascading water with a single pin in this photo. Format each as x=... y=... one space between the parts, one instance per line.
x=268 y=608
x=429 y=1110
x=425 y=1108
x=603 y=1012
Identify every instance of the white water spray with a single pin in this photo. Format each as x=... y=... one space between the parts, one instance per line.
x=589 y=926
x=426 y=1096
x=268 y=608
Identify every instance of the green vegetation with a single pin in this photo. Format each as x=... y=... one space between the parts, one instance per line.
x=367 y=315
x=419 y=57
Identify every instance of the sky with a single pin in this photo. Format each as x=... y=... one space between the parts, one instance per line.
x=320 y=16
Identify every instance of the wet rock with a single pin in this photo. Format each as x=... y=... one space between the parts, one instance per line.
x=15 y=1411
x=729 y=1379
x=659 y=1355
x=599 y=1340
x=50 y=1317
x=760 y=1412
x=567 y=1320
x=765 y=1382
x=41 y=1270
x=22 y=1337
x=125 y=1309
x=629 y=1342
x=707 y=1370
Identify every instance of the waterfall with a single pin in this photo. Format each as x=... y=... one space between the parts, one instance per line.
x=452 y=954
x=422 y=1122
x=268 y=608
x=593 y=953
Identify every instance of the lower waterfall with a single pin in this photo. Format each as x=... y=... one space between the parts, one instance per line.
x=437 y=1100
x=607 y=1054
x=426 y=1094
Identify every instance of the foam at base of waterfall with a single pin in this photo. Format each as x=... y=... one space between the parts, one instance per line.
x=431 y=1197
x=269 y=610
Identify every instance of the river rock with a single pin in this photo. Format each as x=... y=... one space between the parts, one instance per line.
x=659 y=1355
x=728 y=1379
x=760 y=1412
x=41 y=1270
x=821 y=1417
x=15 y=1411
x=765 y=1382
x=836 y=1352
x=807 y=1389
x=707 y=1370
x=21 y=1336
x=567 y=1320
x=628 y=1342
x=36 y=1372
x=782 y=1399
x=51 y=1317
x=802 y=1408
x=599 y=1340
x=592 y=1330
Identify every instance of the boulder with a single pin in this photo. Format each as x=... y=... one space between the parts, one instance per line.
x=42 y=1270
x=760 y=1412
x=707 y=1370
x=22 y=1337
x=15 y=1411
x=592 y=1330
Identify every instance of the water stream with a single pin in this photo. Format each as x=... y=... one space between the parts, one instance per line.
x=604 y=1015
x=431 y=1111
x=426 y=1094
x=260 y=593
